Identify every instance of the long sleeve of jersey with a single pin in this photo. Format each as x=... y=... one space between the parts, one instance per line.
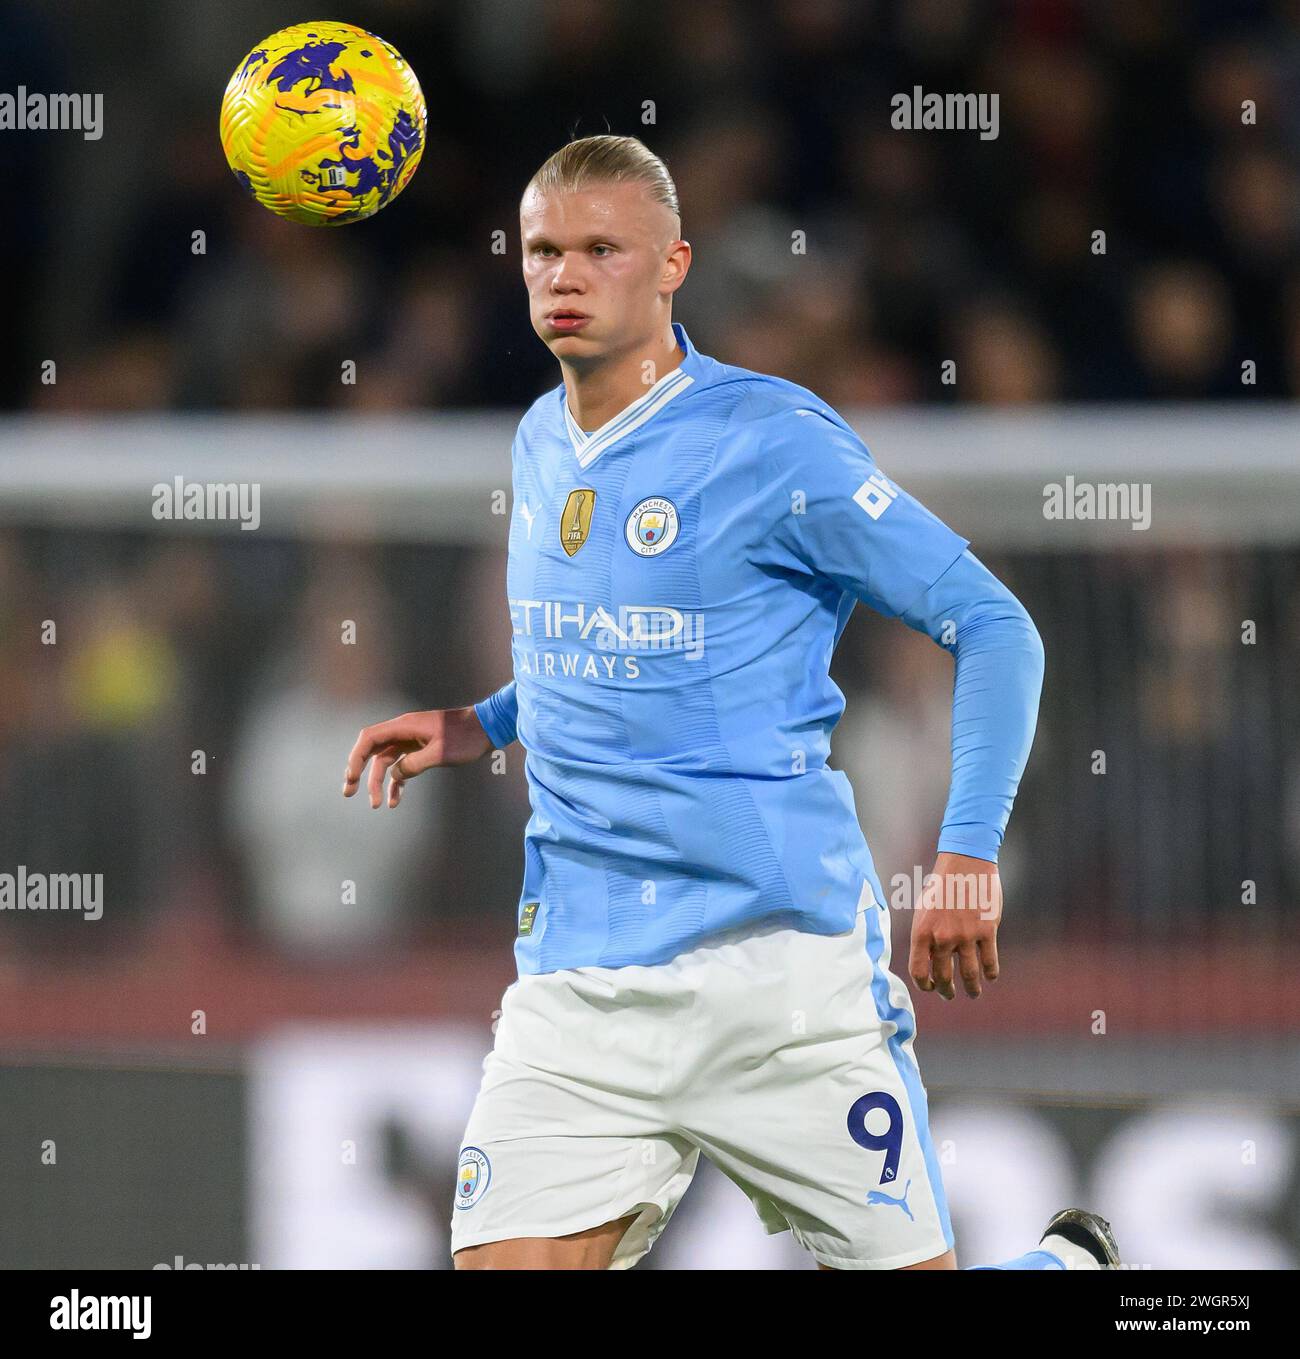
x=875 y=541
x=998 y=662
x=498 y=714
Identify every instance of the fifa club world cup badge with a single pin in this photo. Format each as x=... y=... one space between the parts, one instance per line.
x=575 y=522
x=652 y=526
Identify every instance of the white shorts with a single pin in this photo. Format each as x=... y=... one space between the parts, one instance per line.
x=785 y=1057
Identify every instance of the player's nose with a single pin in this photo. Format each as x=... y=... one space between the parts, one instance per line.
x=567 y=276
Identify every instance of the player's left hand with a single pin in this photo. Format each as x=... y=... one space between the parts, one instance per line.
x=957 y=917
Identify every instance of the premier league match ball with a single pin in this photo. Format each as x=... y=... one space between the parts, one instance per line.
x=323 y=123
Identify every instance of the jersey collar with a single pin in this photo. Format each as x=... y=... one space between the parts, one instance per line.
x=588 y=447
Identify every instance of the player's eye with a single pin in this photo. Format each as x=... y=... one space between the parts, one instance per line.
x=602 y=250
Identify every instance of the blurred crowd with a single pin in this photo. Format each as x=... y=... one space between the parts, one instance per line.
x=177 y=716
x=183 y=725
x=830 y=247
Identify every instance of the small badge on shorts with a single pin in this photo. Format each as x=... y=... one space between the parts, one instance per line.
x=473 y=1176
x=527 y=916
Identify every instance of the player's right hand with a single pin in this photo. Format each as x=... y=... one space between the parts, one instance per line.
x=441 y=736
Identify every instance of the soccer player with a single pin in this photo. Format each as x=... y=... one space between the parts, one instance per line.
x=703 y=941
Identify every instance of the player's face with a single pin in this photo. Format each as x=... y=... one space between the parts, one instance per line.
x=601 y=265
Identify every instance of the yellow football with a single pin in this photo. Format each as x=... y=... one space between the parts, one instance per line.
x=323 y=123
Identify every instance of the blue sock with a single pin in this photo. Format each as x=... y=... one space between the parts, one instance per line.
x=1035 y=1259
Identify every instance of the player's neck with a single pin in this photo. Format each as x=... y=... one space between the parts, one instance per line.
x=598 y=392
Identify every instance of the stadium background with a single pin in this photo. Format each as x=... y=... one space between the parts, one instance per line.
x=1141 y=1051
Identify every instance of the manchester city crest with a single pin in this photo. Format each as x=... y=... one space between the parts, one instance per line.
x=652 y=526
x=473 y=1175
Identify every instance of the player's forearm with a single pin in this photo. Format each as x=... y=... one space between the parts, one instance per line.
x=996 y=688
x=498 y=714
x=998 y=679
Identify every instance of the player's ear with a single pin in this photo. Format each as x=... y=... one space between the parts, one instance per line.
x=676 y=265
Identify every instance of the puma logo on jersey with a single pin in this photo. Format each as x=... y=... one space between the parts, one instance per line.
x=528 y=516
x=878 y=1196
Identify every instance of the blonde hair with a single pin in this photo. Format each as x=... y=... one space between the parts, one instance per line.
x=598 y=160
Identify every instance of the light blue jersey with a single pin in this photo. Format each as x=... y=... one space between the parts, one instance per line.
x=678 y=581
